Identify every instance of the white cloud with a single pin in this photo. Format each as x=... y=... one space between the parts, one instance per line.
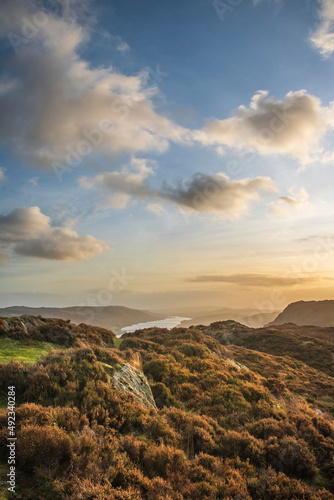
x=328 y=157
x=73 y=109
x=285 y=206
x=323 y=36
x=123 y=46
x=155 y=208
x=117 y=41
x=131 y=180
x=33 y=181
x=292 y=126
x=119 y=201
x=28 y=232
x=202 y=193
x=2 y=175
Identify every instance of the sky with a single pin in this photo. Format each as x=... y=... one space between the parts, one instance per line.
x=164 y=155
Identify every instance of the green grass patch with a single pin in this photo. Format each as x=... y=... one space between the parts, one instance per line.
x=27 y=351
x=118 y=341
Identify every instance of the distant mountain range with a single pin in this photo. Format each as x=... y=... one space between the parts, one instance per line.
x=316 y=313
x=244 y=316
x=111 y=317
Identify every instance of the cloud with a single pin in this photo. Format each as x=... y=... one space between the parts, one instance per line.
x=155 y=208
x=73 y=109
x=202 y=193
x=21 y=223
x=60 y=244
x=117 y=41
x=122 y=46
x=323 y=36
x=119 y=201
x=4 y=259
x=292 y=126
x=256 y=280
x=28 y=232
x=2 y=175
x=33 y=181
x=217 y=194
x=130 y=180
x=286 y=205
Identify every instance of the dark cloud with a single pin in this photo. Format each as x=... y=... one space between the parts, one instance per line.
x=216 y=194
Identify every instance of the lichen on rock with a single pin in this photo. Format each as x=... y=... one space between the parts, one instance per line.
x=131 y=380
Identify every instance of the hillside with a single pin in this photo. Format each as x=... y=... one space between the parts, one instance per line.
x=318 y=313
x=244 y=316
x=57 y=331
x=299 y=357
x=301 y=343
x=168 y=415
x=111 y=317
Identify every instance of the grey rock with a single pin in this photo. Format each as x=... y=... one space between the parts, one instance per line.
x=130 y=380
x=236 y=364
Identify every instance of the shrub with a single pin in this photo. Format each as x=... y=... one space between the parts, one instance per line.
x=292 y=456
x=47 y=448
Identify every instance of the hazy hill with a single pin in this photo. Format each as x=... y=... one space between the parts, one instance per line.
x=244 y=316
x=110 y=317
x=319 y=313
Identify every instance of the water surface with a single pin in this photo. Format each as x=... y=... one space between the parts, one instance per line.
x=169 y=323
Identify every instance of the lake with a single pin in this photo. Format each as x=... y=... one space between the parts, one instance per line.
x=169 y=323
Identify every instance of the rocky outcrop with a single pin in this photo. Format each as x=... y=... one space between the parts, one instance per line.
x=20 y=325
x=237 y=365
x=57 y=331
x=227 y=332
x=130 y=380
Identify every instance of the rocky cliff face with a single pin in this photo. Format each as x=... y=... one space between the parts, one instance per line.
x=129 y=379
